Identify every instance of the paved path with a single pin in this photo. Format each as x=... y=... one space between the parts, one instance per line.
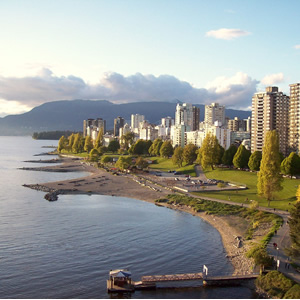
x=281 y=238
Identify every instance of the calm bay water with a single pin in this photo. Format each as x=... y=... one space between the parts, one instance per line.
x=65 y=249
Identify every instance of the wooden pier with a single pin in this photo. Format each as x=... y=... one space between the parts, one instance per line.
x=120 y=280
x=173 y=277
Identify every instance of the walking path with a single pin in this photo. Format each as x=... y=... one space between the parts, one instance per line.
x=281 y=238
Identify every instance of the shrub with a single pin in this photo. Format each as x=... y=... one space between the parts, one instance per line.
x=275 y=284
x=293 y=292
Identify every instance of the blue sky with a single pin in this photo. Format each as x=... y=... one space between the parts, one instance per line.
x=198 y=51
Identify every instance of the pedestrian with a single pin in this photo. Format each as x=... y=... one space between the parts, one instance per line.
x=275 y=231
x=274 y=209
x=288 y=266
x=285 y=266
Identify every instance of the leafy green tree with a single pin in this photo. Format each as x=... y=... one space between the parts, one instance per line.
x=77 y=146
x=254 y=160
x=241 y=158
x=88 y=144
x=139 y=148
x=293 y=292
x=209 y=153
x=102 y=150
x=71 y=141
x=269 y=179
x=228 y=155
x=294 y=224
x=124 y=162
x=189 y=154
x=113 y=146
x=166 y=149
x=94 y=155
x=99 y=139
x=291 y=165
x=106 y=159
x=127 y=140
x=154 y=149
x=62 y=144
x=141 y=163
x=177 y=157
x=261 y=257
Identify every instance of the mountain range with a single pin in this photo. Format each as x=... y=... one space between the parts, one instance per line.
x=69 y=115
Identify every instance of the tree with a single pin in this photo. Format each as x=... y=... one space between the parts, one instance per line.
x=269 y=179
x=177 y=157
x=209 y=153
x=127 y=140
x=62 y=144
x=254 y=161
x=113 y=146
x=71 y=141
x=88 y=144
x=154 y=149
x=139 y=148
x=166 y=149
x=294 y=224
x=241 y=158
x=123 y=162
x=189 y=154
x=99 y=139
x=261 y=257
x=77 y=146
x=106 y=159
x=228 y=155
x=141 y=163
x=94 y=155
x=102 y=149
x=291 y=165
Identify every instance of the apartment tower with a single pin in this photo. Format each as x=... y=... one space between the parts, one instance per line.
x=188 y=115
x=294 y=121
x=119 y=122
x=270 y=111
x=214 y=112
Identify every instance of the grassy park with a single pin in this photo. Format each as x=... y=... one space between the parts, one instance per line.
x=281 y=199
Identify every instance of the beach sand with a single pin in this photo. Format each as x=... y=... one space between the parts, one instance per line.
x=134 y=186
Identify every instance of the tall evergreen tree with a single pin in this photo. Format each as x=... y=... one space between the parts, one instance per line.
x=269 y=179
x=76 y=147
x=241 y=158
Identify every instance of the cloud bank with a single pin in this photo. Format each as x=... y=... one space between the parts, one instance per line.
x=272 y=79
x=226 y=33
x=234 y=92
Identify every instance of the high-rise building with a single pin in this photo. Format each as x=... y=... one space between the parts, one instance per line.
x=214 y=113
x=237 y=124
x=270 y=111
x=135 y=122
x=294 y=120
x=118 y=123
x=91 y=125
x=187 y=114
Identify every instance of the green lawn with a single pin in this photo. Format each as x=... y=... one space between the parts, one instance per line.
x=166 y=164
x=281 y=199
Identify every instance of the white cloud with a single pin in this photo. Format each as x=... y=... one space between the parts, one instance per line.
x=297 y=46
x=234 y=92
x=272 y=79
x=226 y=33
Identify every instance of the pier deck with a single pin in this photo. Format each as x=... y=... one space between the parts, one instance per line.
x=173 y=277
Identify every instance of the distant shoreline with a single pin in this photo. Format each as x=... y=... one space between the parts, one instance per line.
x=104 y=183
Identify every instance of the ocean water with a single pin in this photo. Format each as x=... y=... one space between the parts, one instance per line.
x=65 y=249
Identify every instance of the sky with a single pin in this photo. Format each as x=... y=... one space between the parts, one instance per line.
x=197 y=51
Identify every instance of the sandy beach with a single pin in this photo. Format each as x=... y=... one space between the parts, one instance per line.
x=148 y=189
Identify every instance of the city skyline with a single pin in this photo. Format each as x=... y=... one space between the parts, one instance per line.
x=128 y=51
